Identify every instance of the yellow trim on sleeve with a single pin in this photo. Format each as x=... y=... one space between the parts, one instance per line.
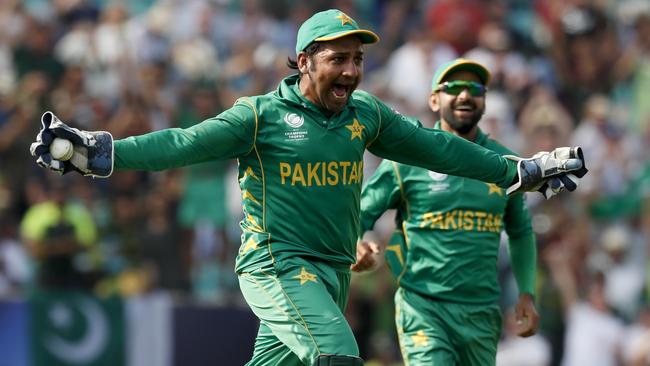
x=379 y=120
x=248 y=102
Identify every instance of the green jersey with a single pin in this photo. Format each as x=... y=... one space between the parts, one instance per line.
x=301 y=169
x=452 y=228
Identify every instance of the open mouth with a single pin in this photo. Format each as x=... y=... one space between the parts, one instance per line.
x=464 y=109
x=340 y=90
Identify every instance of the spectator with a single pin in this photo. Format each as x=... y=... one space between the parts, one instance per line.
x=61 y=236
x=593 y=333
x=624 y=270
x=410 y=69
x=15 y=267
x=636 y=343
x=605 y=139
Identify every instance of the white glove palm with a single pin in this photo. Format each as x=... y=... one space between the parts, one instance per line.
x=93 y=150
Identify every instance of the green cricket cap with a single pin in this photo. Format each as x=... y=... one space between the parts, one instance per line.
x=460 y=64
x=328 y=25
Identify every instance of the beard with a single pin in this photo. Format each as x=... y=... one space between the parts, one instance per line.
x=462 y=125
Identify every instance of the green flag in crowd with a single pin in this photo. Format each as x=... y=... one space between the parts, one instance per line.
x=72 y=328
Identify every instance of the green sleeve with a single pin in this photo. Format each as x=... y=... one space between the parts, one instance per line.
x=380 y=193
x=228 y=135
x=522 y=244
x=437 y=150
x=517 y=217
x=523 y=257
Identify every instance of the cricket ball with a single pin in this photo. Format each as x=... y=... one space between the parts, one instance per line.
x=61 y=149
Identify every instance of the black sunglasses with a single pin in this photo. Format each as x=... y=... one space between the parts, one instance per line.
x=457 y=86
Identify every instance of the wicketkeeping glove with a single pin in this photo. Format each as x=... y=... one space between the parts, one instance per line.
x=568 y=181
x=565 y=182
x=93 y=151
x=549 y=172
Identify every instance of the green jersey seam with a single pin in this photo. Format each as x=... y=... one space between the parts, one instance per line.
x=246 y=101
x=259 y=159
x=379 y=119
x=406 y=254
x=401 y=189
x=401 y=335
x=400 y=184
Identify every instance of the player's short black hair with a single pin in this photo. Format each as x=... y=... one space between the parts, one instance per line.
x=310 y=51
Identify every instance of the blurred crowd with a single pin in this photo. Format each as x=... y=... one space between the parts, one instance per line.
x=565 y=72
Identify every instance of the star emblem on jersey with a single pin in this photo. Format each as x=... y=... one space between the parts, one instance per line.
x=493 y=188
x=356 y=129
x=345 y=19
x=254 y=223
x=250 y=245
x=250 y=173
x=305 y=276
x=247 y=195
x=420 y=339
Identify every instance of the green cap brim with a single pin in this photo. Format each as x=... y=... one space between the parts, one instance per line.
x=460 y=64
x=365 y=36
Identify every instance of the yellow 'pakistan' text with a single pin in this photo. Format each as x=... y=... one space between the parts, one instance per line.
x=463 y=220
x=322 y=173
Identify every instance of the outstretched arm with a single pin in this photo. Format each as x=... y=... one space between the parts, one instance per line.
x=401 y=140
x=95 y=153
x=225 y=136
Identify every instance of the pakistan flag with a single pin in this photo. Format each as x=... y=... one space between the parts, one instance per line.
x=72 y=328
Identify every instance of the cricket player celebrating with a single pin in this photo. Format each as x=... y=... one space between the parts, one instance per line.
x=300 y=153
x=444 y=253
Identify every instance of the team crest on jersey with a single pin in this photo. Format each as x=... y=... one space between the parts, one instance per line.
x=294 y=120
x=437 y=176
x=438 y=184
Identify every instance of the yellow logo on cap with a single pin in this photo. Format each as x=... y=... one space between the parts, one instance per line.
x=345 y=19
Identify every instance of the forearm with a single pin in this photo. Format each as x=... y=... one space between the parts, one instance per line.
x=228 y=135
x=176 y=147
x=523 y=256
x=158 y=151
